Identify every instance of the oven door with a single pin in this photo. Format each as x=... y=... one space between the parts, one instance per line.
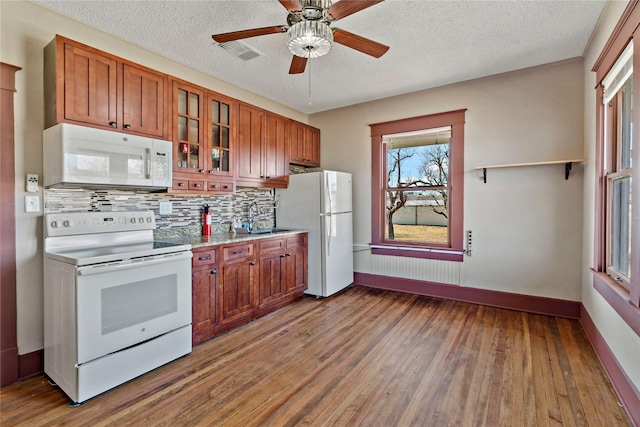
x=125 y=303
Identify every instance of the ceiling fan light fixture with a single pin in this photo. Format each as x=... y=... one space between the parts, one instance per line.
x=310 y=39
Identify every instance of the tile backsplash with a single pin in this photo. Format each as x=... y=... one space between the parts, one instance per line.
x=186 y=209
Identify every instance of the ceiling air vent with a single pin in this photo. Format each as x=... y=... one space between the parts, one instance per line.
x=240 y=50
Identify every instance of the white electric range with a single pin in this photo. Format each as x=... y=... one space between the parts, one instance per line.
x=117 y=303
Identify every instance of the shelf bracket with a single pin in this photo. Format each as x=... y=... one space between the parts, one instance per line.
x=567 y=169
x=484 y=175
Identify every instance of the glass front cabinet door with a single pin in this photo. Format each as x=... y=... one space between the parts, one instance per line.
x=221 y=124
x=188 y=132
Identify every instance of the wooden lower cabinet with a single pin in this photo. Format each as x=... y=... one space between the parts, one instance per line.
x=237 y=291
x=236 y=283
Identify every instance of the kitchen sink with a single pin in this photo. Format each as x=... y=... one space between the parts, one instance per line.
x=259 y=231
x=266 y=231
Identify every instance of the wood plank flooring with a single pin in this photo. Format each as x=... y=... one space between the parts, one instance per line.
x=364 y=357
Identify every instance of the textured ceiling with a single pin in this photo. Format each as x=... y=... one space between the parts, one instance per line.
x=432 y=43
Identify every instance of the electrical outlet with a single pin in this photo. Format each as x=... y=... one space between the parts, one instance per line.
x=32 y=183
x=31 y=204
x=166 y=208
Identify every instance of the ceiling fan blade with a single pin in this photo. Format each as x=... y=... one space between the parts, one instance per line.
x=298 y=65
x=244 y=34
x=359 y=43
x=291 y=5
x=348 y=7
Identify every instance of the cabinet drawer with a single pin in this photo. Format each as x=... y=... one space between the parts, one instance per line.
x=196 y=185
x=237 y=252
x=225 y=187
x=201 y=258
x=297 y=240
x=271 y=245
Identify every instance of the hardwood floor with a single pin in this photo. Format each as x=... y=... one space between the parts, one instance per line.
x=364 y=357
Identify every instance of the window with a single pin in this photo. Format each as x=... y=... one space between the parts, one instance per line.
x=617 y=244
x=417 y=186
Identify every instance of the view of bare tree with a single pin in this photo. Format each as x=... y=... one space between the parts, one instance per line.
x=432 y=172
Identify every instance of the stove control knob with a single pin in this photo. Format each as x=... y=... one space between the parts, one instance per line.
x=66 y=223
x=148 y=219
x=133 y=220
x=54 y=224
x=140 y=220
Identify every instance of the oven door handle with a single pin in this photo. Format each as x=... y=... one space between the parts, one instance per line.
x=133 y=263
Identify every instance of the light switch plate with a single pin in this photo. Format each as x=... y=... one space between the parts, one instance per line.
x=31 y=203
x=166 y=208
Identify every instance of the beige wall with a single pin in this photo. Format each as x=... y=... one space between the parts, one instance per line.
x=624 y=343
x=527 y=222
x=25 y=29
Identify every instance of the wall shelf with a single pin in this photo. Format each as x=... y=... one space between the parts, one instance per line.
x=568 y=165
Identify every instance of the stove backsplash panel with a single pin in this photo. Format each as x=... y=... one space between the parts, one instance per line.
x=186 y=209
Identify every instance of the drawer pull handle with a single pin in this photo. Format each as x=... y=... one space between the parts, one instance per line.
x=237 y=252
x=181 y=184
x=204 y=258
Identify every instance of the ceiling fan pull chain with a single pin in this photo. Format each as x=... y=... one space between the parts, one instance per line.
x=310 y=80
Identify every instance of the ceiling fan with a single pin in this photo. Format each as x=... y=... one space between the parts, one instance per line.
x=308 y=31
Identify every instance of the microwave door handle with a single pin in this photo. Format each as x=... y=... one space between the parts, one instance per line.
x=147 y=172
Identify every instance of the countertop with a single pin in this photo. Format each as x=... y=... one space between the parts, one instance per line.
x=225 y=238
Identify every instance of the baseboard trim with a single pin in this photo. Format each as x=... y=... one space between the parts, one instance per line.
x=31 y=364
x=627 y=393
x=528 y=303
x=8 y=366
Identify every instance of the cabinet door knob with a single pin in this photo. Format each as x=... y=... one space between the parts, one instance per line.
x=201 y=170
x=127 y=126
x=214 y=271
x=252 y=263
x=288 y=254
x=113 y=124
x=282 y=256
x=181 y=184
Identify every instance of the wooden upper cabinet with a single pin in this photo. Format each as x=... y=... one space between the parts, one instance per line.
x=89 y=84
x=305 y=145
x=296 y=148
x=143 y=101
x=276 y=149
x=251 y=124
x=263 y=148
x=312 y=146
x=89 y=87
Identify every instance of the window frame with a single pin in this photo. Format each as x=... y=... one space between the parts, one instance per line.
x=454 y=250
x=624 y=298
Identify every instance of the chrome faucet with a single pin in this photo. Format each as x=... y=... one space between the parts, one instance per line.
x=253 y=206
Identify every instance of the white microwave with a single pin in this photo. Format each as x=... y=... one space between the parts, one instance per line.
x=80 y=156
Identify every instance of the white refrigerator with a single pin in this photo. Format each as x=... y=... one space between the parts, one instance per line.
x=320 y=202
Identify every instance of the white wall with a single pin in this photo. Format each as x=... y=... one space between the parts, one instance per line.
x=624 y=343
x=527 y=222
x=25 y=29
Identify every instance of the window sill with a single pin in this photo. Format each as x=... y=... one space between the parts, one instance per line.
x=618 y=298
x=418 y=252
